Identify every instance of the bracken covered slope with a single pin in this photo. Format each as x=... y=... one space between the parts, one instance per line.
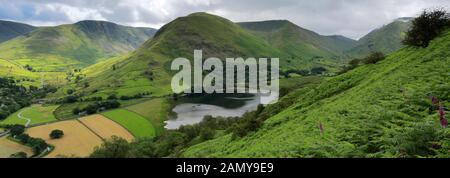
x=375 y=110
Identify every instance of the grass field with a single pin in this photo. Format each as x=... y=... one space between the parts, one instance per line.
x=77 y=141
x=136 y=124
x=65 y=111
x=105 y=127
x=8 y=147
x=13 y=69
x=37 y=114
x=154 y=110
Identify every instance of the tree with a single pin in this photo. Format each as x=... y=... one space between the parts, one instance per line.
x=112 y=97
x=76 y=111
x=38 y=145
x=19 y=155
x=318 y=70
x=70 y=99
x=426 y=27
x=374 y=58
x=23 y=138
x=114 y=148
x=207 y=134
x=3 y=114
x=17 y=130
x=56 y=134
x=354 y=63
x=70 y=91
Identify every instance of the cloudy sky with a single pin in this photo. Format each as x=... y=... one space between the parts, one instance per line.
x=351 y=18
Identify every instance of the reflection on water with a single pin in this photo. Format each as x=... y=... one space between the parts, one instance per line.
x=191 y=110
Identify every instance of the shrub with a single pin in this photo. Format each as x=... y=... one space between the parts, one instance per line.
x=17 y=130
x=354 y=63
x=318 y=70
x=113 y=148
x=23 y=138
x=70 y=91
x=374 y=58
x=112 y=97
x=70 y=99
x=38 y=145
x=426 y=27
x=97 y=106
x=19 y=155
x=56 y=134
x=207 y=134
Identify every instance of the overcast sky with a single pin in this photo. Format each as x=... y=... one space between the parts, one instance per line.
x=351 y=18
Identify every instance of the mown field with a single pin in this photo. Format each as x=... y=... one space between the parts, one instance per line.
x=136 y=124
x=77 y=141
x=37 y=114
x=105 y=128
x=8 y=147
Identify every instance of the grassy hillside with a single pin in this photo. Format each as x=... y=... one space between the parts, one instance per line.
x=75 y=45
x=25 y=77
x=375 y=110
x=10 y=30
x=148 y=68
x=301 y=45
x=386 y=39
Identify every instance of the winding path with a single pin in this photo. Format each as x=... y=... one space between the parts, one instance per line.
x=25 y=118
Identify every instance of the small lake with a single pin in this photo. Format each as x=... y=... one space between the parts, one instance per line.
x=191 y=110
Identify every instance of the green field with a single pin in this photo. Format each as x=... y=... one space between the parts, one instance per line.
x=37 y=114
x=13 y=69
x=154 y=110
x=65 y=111
x=134 y=123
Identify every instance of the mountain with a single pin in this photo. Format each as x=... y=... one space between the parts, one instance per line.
x=386 y=39
x=148 y=68
x=73 y=45
x=375 y=110
x=10 y=30
x=299 y=43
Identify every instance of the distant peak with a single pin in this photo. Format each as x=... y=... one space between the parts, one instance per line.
x=404 y=19
x=198 y=14
x=94 y=22
x=268 y=25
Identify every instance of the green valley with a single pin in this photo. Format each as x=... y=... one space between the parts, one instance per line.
x=73 y=90
x=72 y=46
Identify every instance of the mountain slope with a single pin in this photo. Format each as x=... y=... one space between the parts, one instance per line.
x=299 y=43
x=148 y=68
x=386 y=39
x=10 y=30
x=377 y=110
x=75 y=45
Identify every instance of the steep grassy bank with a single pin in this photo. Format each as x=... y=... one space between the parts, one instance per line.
x=376 y=110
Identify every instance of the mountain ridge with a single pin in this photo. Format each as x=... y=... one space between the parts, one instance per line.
x=73 y=45
x=10 y=29
x=386 y=39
